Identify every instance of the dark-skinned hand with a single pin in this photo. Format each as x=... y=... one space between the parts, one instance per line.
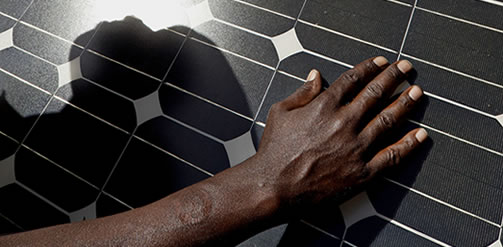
x=316 y=142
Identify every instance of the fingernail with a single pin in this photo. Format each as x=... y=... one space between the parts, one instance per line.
x=415 y=93
x=421 y=135
x=404 y=66
x=380 y=61
x=312 y=75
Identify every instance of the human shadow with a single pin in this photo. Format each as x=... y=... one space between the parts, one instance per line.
x=116 y=88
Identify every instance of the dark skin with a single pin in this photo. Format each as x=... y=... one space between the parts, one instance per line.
x=316 y=144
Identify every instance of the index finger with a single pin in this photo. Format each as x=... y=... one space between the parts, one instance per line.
x=350 y=82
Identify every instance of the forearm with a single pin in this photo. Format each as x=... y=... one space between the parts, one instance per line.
x=231 y=206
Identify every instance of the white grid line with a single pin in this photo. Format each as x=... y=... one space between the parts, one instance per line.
x=33 y=55
x=124 y=65
x=497 y=3
x=233 y=53
x=275 y=72
x=455 y=137
x=176 y=32
x=207 y=101
x=407 y=30
x=12 y=222
x=348 y=36
x=60 y=167
x=117 y=199
x=264 y=9
x=50 y=34
x=453 y=71
x=52 y=204
x=349 y=243
x=399 y=3
x=243 y=29
x=461 y=20
x=333 y=60
x=207 y=135
x=9 y=17
x=182 y=45
x=291 y=76
x=320 y=230
x=107 y=89
x=24 y=81
x=175 y=156
x=460 y=105
x=24 y=12
x=90 y=114
x=51 y=98
x=130 y=137
x=10 y=138
x=412 y=230
x=442 y=202
x=269 y=84
x=344 y=236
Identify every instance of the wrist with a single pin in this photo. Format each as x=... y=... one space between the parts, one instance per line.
x=248 y=184
x=258 y=173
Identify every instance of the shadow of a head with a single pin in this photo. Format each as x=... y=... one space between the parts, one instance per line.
x=169 y=90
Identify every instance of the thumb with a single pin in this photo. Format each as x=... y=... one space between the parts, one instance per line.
x=306 y=93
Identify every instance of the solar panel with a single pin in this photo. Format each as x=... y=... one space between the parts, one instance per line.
x=102 y=114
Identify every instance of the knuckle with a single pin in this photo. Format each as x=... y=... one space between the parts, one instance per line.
x=350 y=76
x=331 y=95
x=319 y=107
x=276 y=107
x=370 y=66
x=405 y=101
x=393 y=157
x=375 y=90
x=386 y=119
x=364 y=173
x=394 y=72
x=410 y=142
x=304 y=88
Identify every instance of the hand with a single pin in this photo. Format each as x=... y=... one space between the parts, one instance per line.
x=315 y=143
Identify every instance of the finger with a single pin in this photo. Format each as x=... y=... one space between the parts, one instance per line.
x=393 y=154
x=389 y=117
x=351 y=81
x=304 y=94
x=380 y=88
